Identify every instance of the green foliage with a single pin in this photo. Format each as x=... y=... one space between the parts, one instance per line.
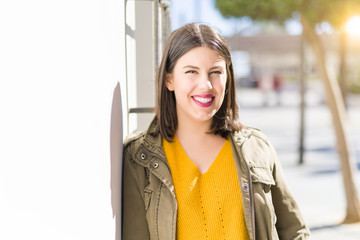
x=256 y=9
x=315 y=11
x=354 y=81
x=354 y=87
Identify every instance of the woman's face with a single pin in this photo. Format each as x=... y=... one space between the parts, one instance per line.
x=198 y=81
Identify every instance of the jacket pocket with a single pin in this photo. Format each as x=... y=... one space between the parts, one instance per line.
x=147 y=197
x=263 y=180
x=261 y=173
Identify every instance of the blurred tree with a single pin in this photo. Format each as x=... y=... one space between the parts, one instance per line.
x=311 y=13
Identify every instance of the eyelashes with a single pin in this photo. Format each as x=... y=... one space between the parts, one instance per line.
x=195 y=72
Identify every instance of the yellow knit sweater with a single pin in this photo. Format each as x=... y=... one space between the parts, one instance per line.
x=209 y=204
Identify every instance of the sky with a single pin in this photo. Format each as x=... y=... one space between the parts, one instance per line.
x=185 y=11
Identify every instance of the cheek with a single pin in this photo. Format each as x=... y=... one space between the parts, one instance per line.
x=183 y=85
x=221 y=90
x=221 y=85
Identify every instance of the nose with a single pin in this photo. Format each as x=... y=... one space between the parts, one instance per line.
x=205 y=82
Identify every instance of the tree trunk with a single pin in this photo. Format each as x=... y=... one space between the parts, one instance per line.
x=337 y=108
x=342 y=67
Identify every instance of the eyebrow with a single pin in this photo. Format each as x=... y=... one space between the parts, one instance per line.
x=190 y=66
x=214 y=67
x=217 y=67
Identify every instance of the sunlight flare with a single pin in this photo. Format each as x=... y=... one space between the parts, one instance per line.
x=352 y=26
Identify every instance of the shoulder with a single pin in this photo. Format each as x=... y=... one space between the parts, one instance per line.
x=255 y=148
x=133 y=137
x=133 y=141
x=249 y=133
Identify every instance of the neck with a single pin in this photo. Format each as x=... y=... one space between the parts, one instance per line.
x=192 y=130
x=195 y=139
x=187 y=128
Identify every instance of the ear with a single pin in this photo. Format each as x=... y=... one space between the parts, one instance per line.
x=169 y=81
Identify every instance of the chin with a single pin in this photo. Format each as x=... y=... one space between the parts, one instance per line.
x=206 y=117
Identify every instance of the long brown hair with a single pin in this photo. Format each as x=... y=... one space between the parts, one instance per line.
x=180 y=42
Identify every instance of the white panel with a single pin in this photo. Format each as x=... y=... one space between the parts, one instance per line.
x=59 y=64
x=140 y=61
x=144 y=35
x=131 y=80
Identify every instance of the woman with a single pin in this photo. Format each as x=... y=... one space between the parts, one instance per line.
x=197 y=173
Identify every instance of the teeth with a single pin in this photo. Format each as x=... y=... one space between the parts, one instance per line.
x=203 y=100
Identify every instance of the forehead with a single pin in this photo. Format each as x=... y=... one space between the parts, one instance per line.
x=201 y=56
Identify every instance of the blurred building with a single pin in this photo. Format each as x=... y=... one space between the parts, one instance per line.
x=270 y=53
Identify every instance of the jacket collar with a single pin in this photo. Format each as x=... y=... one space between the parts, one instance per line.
x=150 y=154
x=153 y=140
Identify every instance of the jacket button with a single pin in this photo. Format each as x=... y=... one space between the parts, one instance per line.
x=155 y=165
x=143 y=156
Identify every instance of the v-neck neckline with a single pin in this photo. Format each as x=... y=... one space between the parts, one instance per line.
x=193 y=165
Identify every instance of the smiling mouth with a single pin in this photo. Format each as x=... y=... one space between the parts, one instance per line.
x=204 y=101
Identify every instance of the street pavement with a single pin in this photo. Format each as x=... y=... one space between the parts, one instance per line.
x=317 y=184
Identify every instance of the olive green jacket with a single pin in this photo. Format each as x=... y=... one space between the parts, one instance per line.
x=149 y=202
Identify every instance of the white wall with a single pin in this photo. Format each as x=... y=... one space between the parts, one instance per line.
x=59 y=64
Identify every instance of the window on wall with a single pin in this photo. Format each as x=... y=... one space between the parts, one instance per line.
x=147 y=28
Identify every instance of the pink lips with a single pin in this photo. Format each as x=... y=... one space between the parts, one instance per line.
x=203 y=100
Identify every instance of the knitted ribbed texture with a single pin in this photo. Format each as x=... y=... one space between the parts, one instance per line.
x=209 y=204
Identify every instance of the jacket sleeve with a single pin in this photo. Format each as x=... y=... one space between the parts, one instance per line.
x=134 y=221
x=290 y=223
